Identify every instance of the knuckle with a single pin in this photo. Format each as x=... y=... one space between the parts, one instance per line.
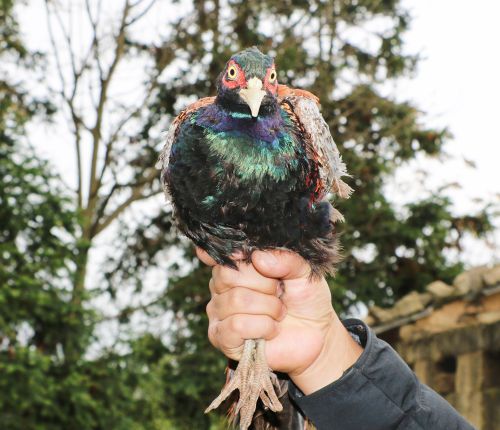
x=237 y=324
x=216 y=279
x=211 y=285
x=210 y=309
x=212 y=335
x=238 y=299
x=226 y=276
x=268 y=323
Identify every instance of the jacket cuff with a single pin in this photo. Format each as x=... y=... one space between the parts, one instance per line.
x=367 y=387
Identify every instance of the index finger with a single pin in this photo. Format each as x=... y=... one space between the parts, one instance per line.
x=225 y=278
x=204 y=257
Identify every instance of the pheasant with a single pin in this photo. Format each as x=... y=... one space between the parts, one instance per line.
x=251 y=168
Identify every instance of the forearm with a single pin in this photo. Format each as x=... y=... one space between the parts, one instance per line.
x=378 y=392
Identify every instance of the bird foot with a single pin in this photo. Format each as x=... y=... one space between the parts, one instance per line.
x=254 y=380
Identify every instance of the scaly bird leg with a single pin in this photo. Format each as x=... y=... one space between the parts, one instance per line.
x=239 y=379
x=260 y=381
x=253 y=379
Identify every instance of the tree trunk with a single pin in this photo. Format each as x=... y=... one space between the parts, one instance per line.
x=74 y=346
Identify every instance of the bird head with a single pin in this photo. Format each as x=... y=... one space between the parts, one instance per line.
x=248 y=84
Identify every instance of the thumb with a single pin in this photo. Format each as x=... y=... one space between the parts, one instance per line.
x=280 y=264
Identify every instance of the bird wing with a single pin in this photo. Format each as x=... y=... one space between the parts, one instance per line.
x=173 y=131
x=303 y=109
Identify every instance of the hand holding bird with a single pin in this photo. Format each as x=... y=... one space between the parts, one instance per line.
x=305 y=337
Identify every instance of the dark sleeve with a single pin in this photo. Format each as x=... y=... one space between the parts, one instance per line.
x=379 y=392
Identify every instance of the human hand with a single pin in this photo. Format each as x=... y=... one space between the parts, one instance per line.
x=305 y=338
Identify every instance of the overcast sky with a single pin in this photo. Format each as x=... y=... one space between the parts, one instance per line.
x=458 y=81
x=457 y=85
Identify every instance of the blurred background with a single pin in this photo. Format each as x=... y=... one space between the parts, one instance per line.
x=102 y=303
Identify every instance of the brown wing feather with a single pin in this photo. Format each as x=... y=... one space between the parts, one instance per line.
x=284 y=91
x=303 y=109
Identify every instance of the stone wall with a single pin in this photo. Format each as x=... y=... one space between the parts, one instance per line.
x=463 y=365
x=450 y=337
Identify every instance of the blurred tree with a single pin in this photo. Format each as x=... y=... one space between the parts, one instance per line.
x=40 y=388
x=36 y=231
x=119 y=82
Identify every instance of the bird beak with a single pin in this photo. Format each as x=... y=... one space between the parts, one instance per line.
x=253 y=95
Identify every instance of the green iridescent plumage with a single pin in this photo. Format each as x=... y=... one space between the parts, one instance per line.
x=253 y=158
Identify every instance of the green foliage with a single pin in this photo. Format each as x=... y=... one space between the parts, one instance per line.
x=189 y=380
x=9 y=31
x=40 y=387
x=37 y=226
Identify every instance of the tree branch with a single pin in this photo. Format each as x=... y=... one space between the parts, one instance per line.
x=142 y=13
x=94 y=23
x=69 y=100
x=96 y=130
x=67 y=38
x=54 y=48
x=114 y=136
x=137 y=194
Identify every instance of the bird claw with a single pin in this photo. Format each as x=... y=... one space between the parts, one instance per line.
x=254 y=380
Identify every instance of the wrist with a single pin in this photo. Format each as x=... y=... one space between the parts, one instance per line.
x=340 y=351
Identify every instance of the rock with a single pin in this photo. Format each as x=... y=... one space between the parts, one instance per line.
x=409 y=304
x=409 y=332
x=425 y=298
x=492 y=276
x=406 y=306
x=369 y=320
x=489 y=317
x=470 y=281
x=382 y=315
x=440 y=290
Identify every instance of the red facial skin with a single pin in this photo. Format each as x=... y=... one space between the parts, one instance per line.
x=241 y=82
x=271 y=87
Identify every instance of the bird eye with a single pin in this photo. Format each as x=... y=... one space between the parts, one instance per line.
x=272 y=76
x=232 y=73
